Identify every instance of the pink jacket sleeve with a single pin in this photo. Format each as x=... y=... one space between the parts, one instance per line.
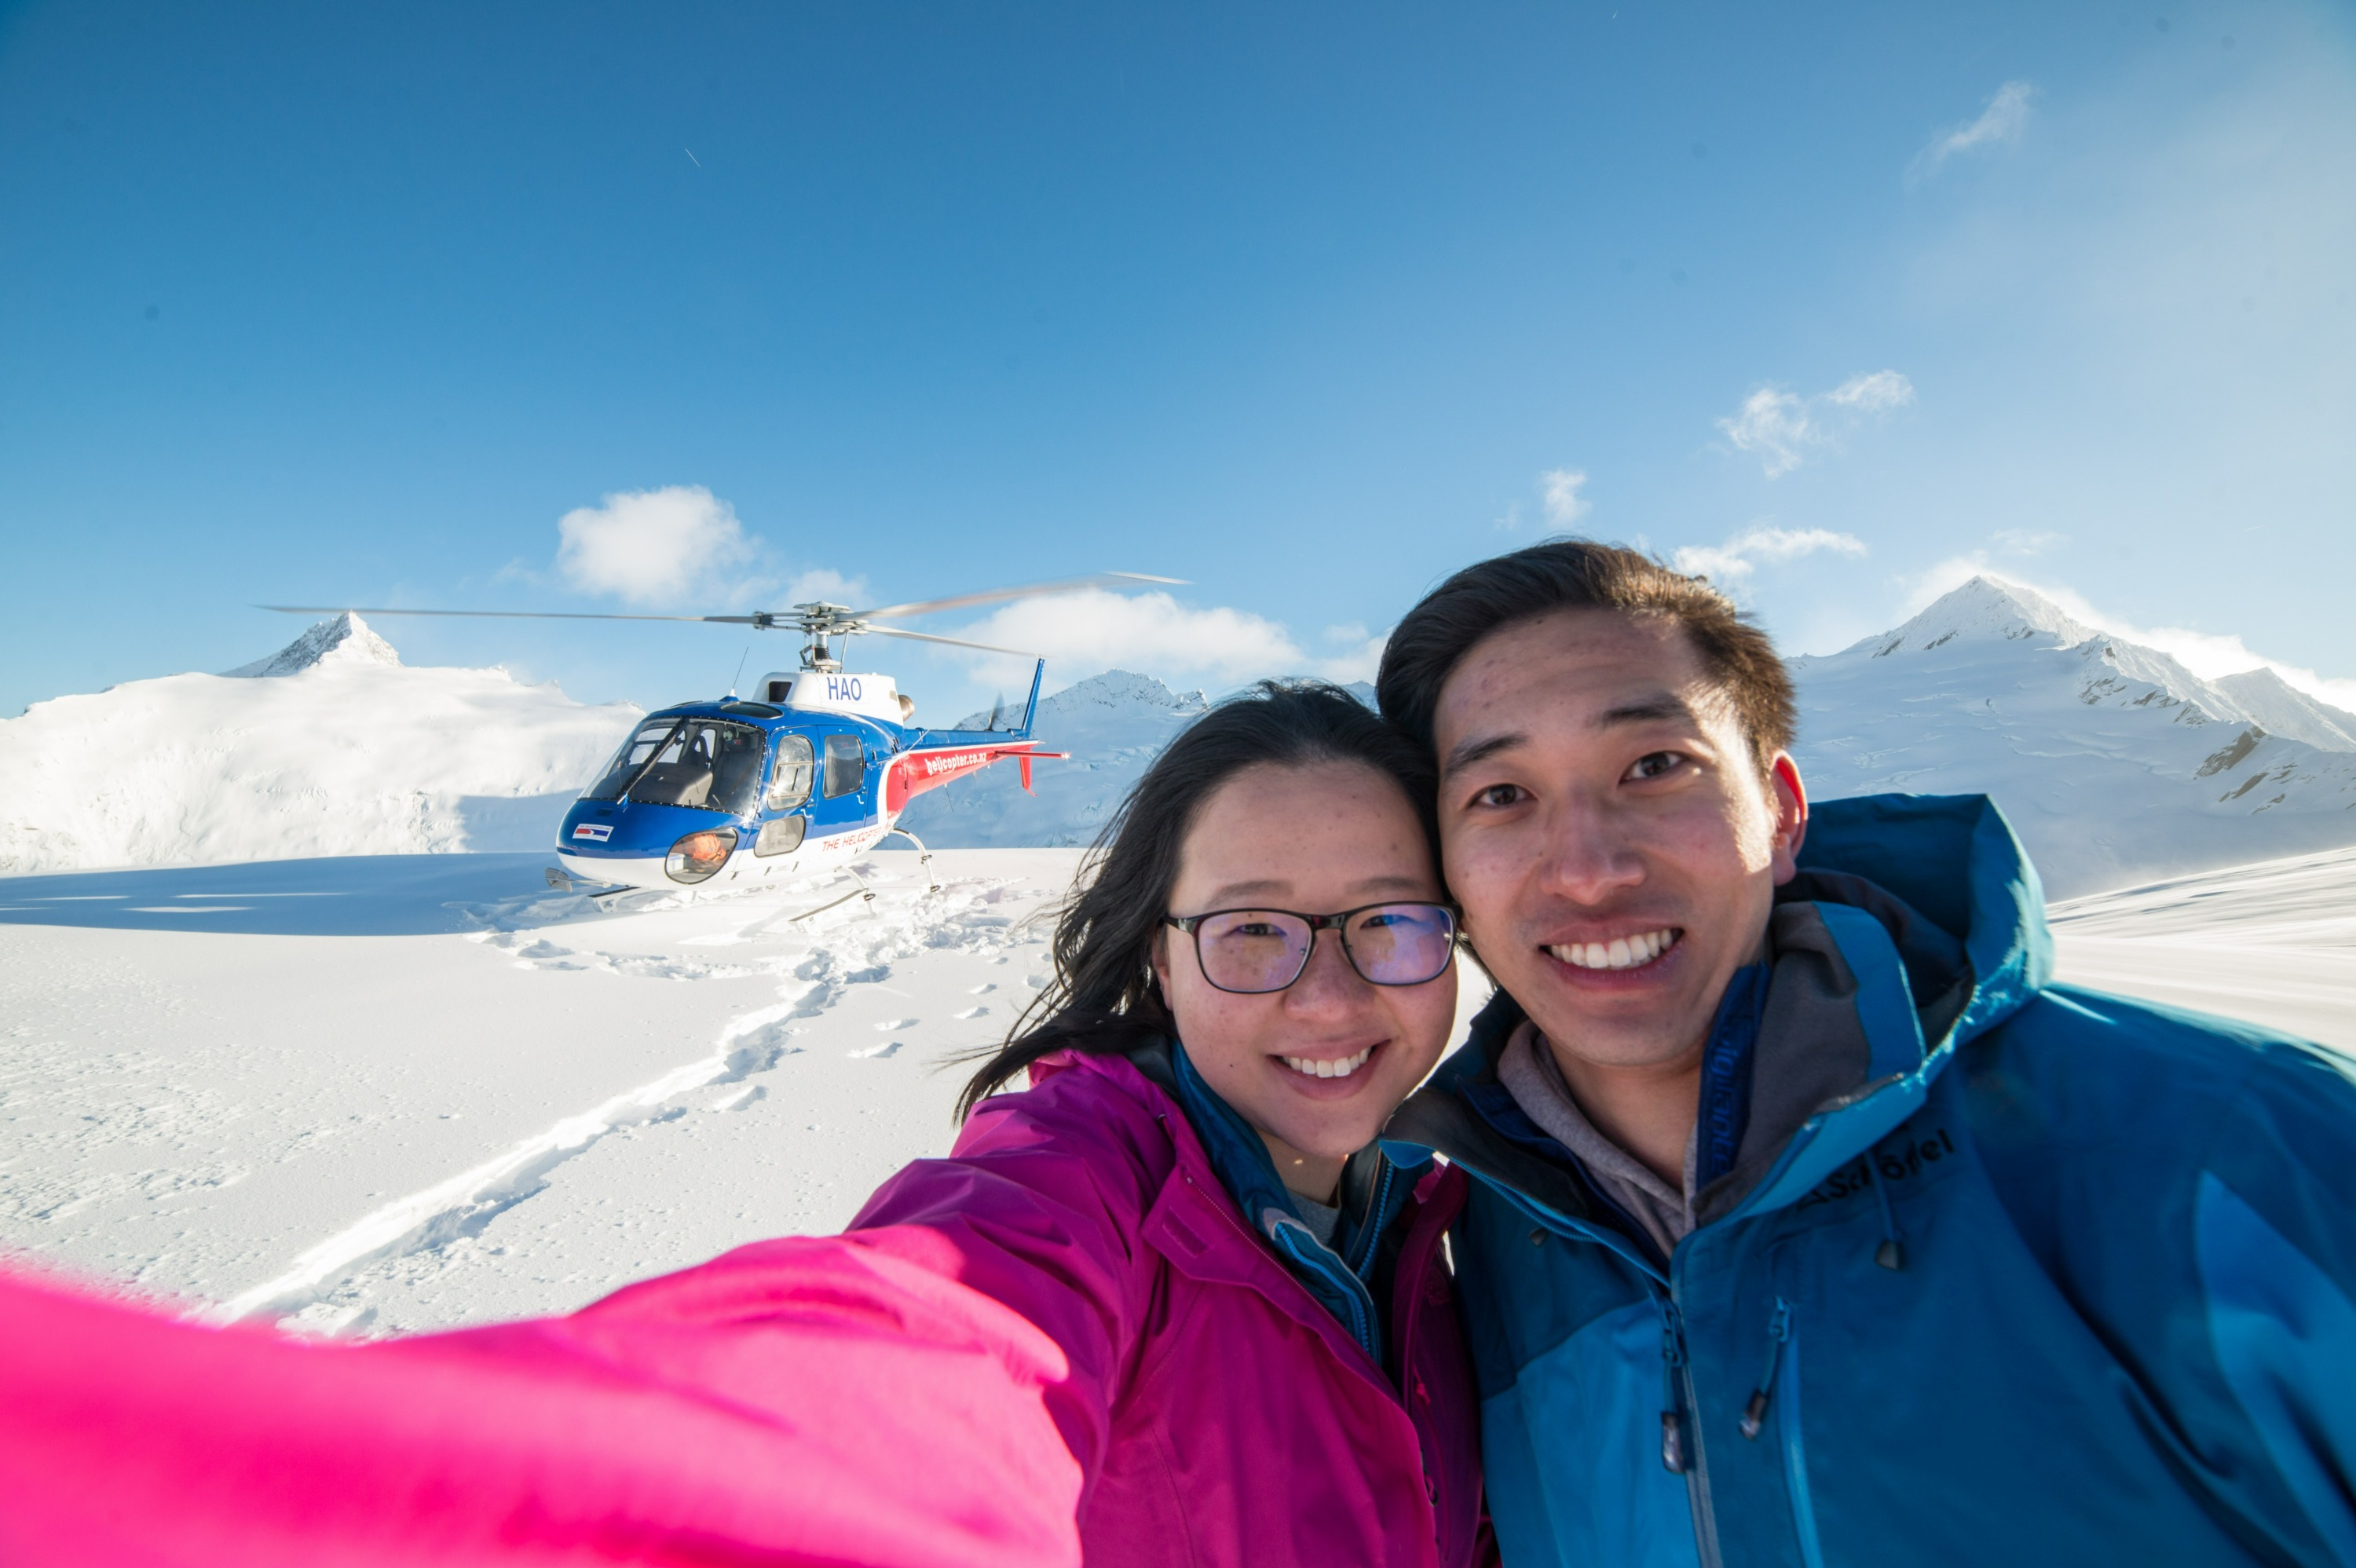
x=930 y=1390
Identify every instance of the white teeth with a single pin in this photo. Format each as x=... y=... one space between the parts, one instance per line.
x=1341 y=1068
x=1623 y=952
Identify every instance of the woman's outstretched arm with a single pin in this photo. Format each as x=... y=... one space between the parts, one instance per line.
x=931 y=1389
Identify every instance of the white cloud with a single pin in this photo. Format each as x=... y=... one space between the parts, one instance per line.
x=653 y=547
x=1558 y=500
x=1873 y=392
x=2001 y=124
x=2025 y=541
x=1091 y=629
x=827 y=586
x=1783 y=430
x=1730 y=565
x=1564 y=505
x=2206 y=654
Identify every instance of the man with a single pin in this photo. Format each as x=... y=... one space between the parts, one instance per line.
x=1811 y=1223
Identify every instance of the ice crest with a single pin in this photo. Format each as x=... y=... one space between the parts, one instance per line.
x=342 y=640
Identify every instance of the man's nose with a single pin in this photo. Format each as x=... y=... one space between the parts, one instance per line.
x=1588 y=855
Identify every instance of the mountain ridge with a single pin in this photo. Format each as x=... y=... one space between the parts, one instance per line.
x=329 y=746
x=2114 y=761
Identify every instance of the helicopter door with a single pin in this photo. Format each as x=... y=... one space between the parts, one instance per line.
x=789 y=787
x=846 y=766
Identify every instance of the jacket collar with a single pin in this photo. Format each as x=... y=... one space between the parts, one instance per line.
x=1916 y=924
x=1374 y=1189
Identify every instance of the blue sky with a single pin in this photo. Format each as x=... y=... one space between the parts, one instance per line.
x=1306 y=304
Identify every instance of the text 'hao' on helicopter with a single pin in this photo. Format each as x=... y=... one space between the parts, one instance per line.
x=808 y=776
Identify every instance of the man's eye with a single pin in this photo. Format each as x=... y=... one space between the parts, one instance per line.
x=1501 y=795
x=1652 y=764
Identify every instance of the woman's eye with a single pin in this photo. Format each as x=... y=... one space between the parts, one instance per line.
x=1652 y=764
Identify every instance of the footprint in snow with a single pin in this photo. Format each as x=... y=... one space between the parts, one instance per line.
x=889 y=1024
x=974 y=1013
x=874 y=1051
x=983 y=990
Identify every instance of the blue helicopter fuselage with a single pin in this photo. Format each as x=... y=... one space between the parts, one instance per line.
x=727 y=792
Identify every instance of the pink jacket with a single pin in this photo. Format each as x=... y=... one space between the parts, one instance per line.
x=1059 y=1341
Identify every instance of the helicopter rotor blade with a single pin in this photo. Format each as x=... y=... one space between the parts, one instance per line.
x=995 y=596
x=501 y=615
x=953 y=642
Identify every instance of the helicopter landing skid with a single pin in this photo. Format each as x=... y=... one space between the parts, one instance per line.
x=924 y=856
x=861 y=892
x=565 y=881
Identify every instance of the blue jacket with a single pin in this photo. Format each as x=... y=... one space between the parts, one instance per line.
x=1987 y=1270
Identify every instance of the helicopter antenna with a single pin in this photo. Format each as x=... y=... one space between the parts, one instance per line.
x=740 y=670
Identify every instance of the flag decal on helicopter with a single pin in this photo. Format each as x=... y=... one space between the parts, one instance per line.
x=595 y=830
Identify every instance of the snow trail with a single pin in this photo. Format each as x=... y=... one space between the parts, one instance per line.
x=327 y=1286
x=467 y=1202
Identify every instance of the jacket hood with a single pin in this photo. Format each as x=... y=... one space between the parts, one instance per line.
x=1916 y=923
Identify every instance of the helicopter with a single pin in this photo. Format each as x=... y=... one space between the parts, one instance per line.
x=805 y=776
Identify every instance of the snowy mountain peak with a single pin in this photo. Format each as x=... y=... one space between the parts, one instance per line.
x=1114 y=691
x=1984 y=607
x=343 y=640
x=2284 y=709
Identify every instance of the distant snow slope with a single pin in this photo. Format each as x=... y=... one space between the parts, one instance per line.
x=1112 y=724
x=2115 y=763
x=2274 y=942
x=328 y=747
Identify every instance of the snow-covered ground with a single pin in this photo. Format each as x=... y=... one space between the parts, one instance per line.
x=393 y=1093
x=2274 y=942
x=403 y=1090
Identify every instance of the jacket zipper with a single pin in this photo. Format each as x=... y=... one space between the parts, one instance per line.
x=1754 y=1415
x=1684 y=1423
x=1682 y=1449
x=1795 y=1457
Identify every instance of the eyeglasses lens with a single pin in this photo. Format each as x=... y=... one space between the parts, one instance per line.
x=1252 y=950
x=1401 y=944
x=1260 y=950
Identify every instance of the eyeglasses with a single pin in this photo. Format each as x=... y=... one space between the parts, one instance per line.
x=1255 y=951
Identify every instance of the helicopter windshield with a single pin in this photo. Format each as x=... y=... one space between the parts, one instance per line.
x=708 y=763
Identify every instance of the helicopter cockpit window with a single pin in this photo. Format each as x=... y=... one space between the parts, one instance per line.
x=631 y=760
x=789 y=776
x=846 y=766
x=702 y=763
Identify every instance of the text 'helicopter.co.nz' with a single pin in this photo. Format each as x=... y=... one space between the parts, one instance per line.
x=809 y=776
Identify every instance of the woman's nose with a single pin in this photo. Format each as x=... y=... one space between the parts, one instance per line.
x=1328 y=980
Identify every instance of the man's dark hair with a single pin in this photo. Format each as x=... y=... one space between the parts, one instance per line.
x=1582 y=574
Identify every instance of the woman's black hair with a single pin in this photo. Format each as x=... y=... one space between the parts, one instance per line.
x=1103 y=999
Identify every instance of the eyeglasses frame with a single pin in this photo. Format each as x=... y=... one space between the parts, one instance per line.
x=1338 y=923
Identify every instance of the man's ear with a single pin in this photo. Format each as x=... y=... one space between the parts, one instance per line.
x=1789 y=797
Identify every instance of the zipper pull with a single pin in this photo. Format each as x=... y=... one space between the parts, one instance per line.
x=1754 y=1413
x=1673 y=1355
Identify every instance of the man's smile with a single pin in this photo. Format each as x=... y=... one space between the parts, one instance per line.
x=1630 y=952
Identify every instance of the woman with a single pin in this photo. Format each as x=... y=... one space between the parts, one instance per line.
x=1159 y=1307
